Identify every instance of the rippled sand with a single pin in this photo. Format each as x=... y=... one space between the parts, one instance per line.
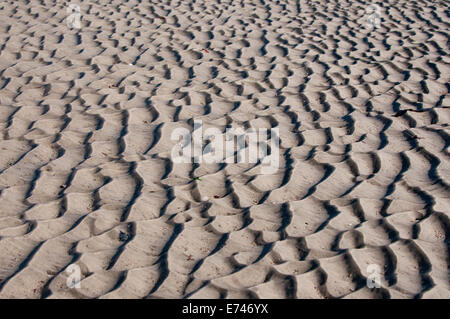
x=86 y=176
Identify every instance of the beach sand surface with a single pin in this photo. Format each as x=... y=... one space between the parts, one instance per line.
x=89 y=187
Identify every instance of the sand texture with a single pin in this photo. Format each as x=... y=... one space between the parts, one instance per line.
x=87 y=178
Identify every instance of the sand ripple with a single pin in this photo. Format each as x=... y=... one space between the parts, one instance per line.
x=86 y=176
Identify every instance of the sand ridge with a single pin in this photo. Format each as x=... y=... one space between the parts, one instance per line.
x=86 y=176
